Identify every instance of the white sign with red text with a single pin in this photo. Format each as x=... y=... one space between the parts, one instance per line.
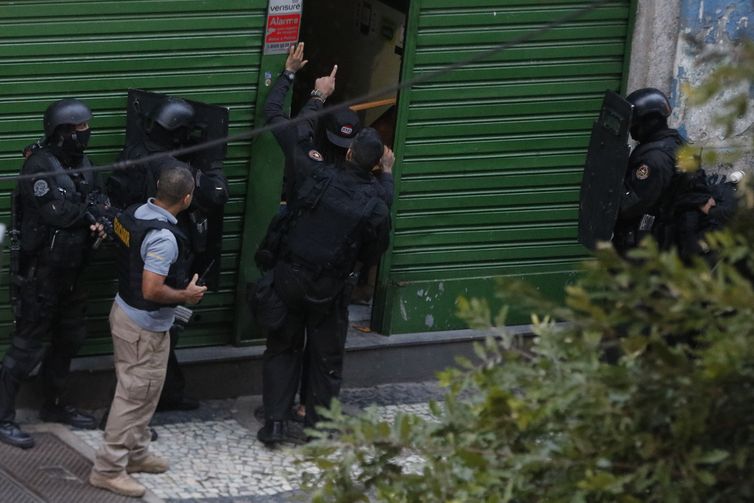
x=283 y=25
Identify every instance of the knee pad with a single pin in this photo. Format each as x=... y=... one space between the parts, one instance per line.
x=24 y=359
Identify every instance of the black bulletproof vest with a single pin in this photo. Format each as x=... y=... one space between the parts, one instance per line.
x=327 y=215
x=669 y=146
x=129 y=235
x=63 y=246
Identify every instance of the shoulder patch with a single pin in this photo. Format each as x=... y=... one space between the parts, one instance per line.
x=41 y=188
x=642 y=172
x=315 y=155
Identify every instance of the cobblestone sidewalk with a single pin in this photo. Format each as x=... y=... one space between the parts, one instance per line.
x=215 y=456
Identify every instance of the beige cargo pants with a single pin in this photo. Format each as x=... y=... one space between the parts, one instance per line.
x=140 y=358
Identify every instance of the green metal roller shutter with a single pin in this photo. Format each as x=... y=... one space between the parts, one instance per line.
x=491 y=155
x=95 y=50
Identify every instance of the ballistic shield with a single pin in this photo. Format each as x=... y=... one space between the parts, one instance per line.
x=209 y=122
x=606 y=164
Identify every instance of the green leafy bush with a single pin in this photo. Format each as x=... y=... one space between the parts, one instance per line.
x=643 y=391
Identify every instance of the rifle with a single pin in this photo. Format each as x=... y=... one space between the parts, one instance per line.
x=15 y=249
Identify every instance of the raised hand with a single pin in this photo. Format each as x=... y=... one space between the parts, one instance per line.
x=295 y=61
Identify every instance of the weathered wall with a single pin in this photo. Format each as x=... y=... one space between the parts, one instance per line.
x=663 y=58
x=720 y=24
x=654 y=44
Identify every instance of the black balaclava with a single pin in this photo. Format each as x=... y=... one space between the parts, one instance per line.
x=70 y=144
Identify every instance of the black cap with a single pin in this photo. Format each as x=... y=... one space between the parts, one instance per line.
x=367 y=148
x=342 y=126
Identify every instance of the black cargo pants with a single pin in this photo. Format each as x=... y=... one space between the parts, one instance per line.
x=322 y=327
x=54 y=306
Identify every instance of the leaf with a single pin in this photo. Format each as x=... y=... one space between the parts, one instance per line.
x=706 y=478
x=713 y=457
x=472 y=459
x=634 y=345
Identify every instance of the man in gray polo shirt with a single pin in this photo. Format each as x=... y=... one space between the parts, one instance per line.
x=153 y=264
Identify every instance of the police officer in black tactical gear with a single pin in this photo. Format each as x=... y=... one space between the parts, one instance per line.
x=336 y=224
x=168 y=126
x=332 y=137
x=658 y=199
x=53 y=213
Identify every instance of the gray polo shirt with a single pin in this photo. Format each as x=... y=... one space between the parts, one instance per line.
x=159 y=251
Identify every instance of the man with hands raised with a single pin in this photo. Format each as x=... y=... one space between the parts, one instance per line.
x=336 y=224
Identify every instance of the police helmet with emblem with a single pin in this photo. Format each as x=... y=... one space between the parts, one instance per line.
x=173 y=113
x=649 y=101
x=68 y=111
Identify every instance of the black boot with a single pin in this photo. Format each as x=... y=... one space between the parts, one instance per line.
x=11 y=434
x=272 y=432
x=67 y=414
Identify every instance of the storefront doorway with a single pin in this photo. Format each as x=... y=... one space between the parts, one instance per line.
x=365 y=38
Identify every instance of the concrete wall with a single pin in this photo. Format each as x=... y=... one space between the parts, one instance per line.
x=654 y=45
x=663 y=57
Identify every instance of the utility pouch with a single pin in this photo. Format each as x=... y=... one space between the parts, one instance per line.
x=27 y=305
x=269 y=249
x=67 y=247
x=198 y=232
x=33 y=235
x=266 y=306
x=647 y=221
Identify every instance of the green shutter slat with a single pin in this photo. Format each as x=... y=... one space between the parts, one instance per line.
x=499 y=108
x=416 y=220
x=524 y=52
x=503 y=16
x=498 y=162
x=487 y=127
x=164 y=81
x=564 y=69
x=131 y=44
x=159 y=62
x=176 y=25
x=490 y=90
x=495 y=145
x=582 y=32
x=531 y=268
x=458 y=199
x=52 y=9
x=470 y=254
x=473 y=181
x=200 y=50
x=434 y=5
x=547 y=231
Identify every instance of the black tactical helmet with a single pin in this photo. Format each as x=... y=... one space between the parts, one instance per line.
x=173 y=113
x=649 y=101
x=68 y=111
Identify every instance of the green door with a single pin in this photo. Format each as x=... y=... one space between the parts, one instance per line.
x=199 y=49
x=490 y=156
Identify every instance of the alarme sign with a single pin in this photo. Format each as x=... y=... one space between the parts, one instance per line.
x=283 y=23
